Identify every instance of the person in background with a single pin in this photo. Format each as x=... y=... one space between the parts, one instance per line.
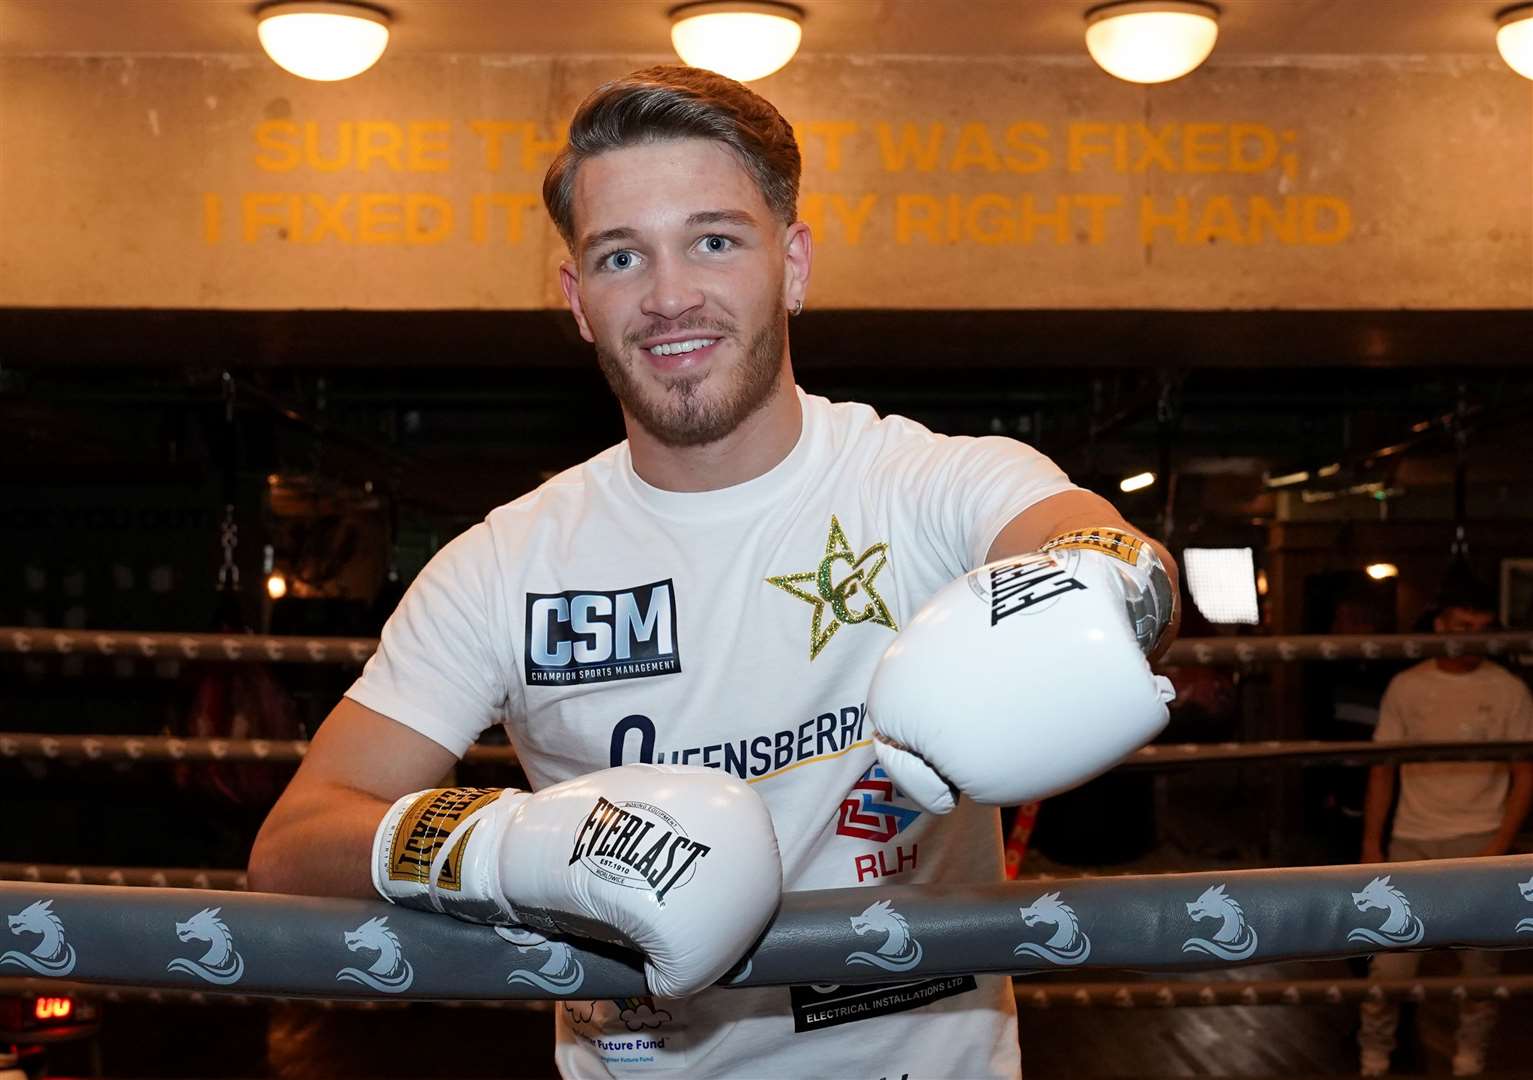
x=1447 y=809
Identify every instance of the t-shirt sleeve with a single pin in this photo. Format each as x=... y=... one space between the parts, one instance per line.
x=436 y=669
x=1521 y=725
x=1391 y=727
x=955 y=493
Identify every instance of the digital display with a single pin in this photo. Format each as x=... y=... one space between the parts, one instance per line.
x=53 y=1008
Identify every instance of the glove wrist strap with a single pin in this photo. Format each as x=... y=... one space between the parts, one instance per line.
x=1147 y=591
x=438 y=850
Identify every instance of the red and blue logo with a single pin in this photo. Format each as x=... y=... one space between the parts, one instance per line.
x=870 y=812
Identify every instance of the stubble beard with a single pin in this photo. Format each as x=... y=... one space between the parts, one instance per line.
x=681 y=413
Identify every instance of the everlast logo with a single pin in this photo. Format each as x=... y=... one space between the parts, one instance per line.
x=426 y=826
x=637 y=845
x=1017 y=586
x=588 y=637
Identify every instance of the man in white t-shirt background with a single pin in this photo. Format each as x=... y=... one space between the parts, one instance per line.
x=680 y=637
x=1447 y=809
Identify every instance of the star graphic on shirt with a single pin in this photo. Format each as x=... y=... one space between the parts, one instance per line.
x=843 y=583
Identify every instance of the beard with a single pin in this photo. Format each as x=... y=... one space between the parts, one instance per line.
x=694 y=410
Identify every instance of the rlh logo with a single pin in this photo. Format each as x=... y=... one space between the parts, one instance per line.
x=899 y=951
x=870 y=810
x=1526 y=888
x=391 y=972
x=222 y=963
x=1234 y=940
x=1067 y=945
x=52 y=956
x=560 y=972
x=586 y=636
x=1399 y=928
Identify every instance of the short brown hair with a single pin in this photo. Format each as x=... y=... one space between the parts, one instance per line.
x=676 y=102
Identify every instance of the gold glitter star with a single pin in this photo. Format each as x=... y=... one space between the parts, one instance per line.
x=828 y=592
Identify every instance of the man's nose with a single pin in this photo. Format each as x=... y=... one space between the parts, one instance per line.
x=673 y=291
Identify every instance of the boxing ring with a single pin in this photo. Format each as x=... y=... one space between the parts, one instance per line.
x=193 y=933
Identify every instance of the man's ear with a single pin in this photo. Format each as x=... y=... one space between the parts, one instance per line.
x=569 y=281
x=798 y=254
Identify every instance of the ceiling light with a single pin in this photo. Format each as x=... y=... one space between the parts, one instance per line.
x=1381 y=570
x=743 y=40
x=1287 y=479
x=323 y=41
x=1137 y=481
x=1515 y=38
x=1151 y=41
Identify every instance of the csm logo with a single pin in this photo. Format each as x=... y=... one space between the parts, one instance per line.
x=583 y=636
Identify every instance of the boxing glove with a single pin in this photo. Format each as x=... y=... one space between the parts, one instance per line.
x=677 y=861
x=1027 y=676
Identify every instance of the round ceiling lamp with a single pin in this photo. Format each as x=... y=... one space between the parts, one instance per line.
x=1514 y=38
x=740 y=39
x=1151 y=41
x=325 y=42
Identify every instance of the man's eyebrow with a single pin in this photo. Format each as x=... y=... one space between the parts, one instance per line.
x=722 y=217
x=607 y=236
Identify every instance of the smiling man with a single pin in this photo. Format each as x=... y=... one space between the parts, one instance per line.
x=680 y=634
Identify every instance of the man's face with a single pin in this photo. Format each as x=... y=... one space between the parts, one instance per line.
x=678 y=280
x=1459 y=620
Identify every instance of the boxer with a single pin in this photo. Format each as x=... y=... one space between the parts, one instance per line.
x=680 y=634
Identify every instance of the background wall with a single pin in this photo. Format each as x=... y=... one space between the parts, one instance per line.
x=223 y=182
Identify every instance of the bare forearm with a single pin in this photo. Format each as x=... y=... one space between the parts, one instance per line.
x=1519 y=800
x=321 y=849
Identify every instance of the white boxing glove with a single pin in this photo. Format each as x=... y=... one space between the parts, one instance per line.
x=1027 y=676
x=677 y=861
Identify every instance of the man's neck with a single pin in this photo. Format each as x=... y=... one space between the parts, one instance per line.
x=758 y=445
x=1458 y=665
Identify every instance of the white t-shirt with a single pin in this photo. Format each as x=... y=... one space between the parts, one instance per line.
x=604 y=621
x=1440 y=800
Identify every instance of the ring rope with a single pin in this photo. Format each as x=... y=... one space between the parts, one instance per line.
x=32 y=745
x=166 y=877
x=255 y=943
x=1166 y=994
x=1218 y=993
x=150 y=876
x=266 y=648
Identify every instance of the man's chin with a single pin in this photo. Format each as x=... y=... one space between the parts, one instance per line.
x=679 y=428
x=689 y=417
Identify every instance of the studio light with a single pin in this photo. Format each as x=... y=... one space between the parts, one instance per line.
x=1222 y=582
x=1151 y=41
x=743 y=40
x=1514 y=38
x=325 y=42
x=1136 y=482
x=1381 y=570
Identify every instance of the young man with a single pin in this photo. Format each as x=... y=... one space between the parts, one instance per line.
x=1449 y=809
x=679 y=636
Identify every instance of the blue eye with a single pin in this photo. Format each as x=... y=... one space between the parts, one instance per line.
x=717 y=243
x=618 y=260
